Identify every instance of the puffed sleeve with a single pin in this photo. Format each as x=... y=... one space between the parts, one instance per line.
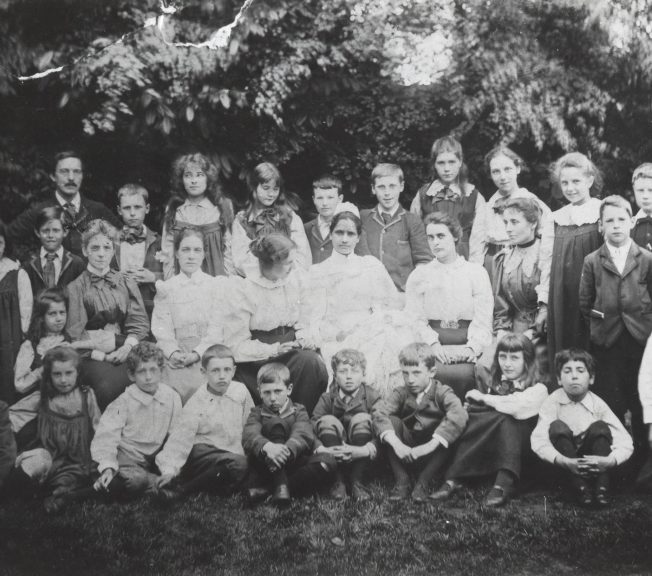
x=479 y=334
x=242 y=307
x=385 y=292
x=25 y=299
x=218 y=312
x=77 y=317
x=24 y=377
x=321 y=329
x=303 y=257
x=136 y=323
x=162 y=325
x=415 y=306
x=302 y=326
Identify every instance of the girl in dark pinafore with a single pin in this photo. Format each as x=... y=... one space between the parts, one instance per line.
x=450 y=192
x=15 y=314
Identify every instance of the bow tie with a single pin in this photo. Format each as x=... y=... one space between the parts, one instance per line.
x=133 y=235
x=108 y=278
x=446 y=193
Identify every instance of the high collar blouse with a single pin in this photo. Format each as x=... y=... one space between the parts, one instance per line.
x=459 y=290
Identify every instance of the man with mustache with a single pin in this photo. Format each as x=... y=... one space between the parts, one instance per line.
x=78 y=211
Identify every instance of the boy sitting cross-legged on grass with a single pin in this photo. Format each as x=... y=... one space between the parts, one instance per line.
x=343 y=423
x=418 y=422
x=577 y=431
x=279 y=440
x=205 y=448
x=134 y=427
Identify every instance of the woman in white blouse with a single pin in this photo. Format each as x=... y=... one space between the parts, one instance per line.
x=355 y=305
x=188 y=316
x=267 y=321
x=454 y=298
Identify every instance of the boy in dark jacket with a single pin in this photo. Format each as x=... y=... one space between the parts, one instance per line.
x=343 y=423
x=279 y=441
x=418 y=422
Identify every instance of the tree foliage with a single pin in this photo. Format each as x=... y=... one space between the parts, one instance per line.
x=319 y=85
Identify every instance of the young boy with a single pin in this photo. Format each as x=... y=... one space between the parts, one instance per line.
x=134 y=426
x=343 y=423
x=394 y=236
x=279 y=440
x=418 y=422
x=135 y=255
x=616 y=300
x=642 y=185
x=577 y=431
x=205 y=450
x=52 y=266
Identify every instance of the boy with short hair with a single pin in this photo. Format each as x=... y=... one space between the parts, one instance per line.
x=343 y=423
x=205 y=449
x=418 y=422
x=578 y=431
x=135 y=254
x=642 y=185
x=279 y=440
x=616 y=301
x=135 y=425
x=395 y=236
x=52 y=266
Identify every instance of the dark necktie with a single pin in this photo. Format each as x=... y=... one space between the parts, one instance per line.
x=387 y=218
x=70 y=214
x=49 y=275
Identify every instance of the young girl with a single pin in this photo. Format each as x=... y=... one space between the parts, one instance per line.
x=502 y=414
x=450 y=192
x=489 y=235
x=15 y=313
x=570 y=236
x=266 y=212
x=197 y=201
x=106 y=308
x=67 y=415
x=46 y=330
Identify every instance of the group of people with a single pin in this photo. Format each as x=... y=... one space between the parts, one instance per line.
x=248 y=351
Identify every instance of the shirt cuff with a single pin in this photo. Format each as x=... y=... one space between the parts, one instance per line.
x=387 y=435
x=131 y=340
x=104 y=464
x=441 y=439
x=98 y=355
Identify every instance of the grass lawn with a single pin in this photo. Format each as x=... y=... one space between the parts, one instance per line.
x=538 y=533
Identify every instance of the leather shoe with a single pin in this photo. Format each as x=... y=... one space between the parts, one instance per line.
x=498 y=496
x=359 y=492
x=281 y=495
x=257 y=494
x=399 y=492
x=419 y=493
x=338 y=491
x=602 y=497
x=446 y=490
x=584 y=496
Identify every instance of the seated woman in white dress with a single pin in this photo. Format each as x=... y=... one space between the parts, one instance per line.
x=355 y=305
x=267 y=321
x=454 y=298
x=188 y=315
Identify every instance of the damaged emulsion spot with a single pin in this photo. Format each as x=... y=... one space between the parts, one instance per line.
x=219 y=39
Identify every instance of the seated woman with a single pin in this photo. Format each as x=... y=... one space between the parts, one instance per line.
x=354 y=305
x=267 y=314
x=502 y=414
x=188 y=314
x=454 y=298
x=106 y=309
x=517 y=276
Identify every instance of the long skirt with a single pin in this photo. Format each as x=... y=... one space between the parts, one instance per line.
x=566 y=327
x=460 y=377
x=11 y=334
x=308 y=372
x=491 y=441
x=107 y=380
